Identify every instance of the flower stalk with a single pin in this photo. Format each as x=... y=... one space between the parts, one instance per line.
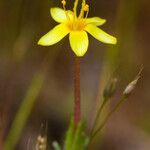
x=77 y=96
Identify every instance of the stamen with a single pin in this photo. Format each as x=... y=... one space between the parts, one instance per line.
x=64 y=7
x=82 y=9
x=64 y=4
x=75 y=8
x=86 y=9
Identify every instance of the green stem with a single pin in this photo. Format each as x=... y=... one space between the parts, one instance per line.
x=108 y=116
x=98 y=115
x=23 y=112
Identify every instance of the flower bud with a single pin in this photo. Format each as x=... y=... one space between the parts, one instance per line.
x=110 y=88
x=130 y=87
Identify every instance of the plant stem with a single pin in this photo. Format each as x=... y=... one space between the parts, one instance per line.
x=98 y=115
x=108 y=116
x=77 y=97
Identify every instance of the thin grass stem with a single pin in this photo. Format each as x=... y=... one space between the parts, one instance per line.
x=23 y=112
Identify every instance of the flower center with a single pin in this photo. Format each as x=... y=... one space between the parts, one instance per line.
x=76 y=25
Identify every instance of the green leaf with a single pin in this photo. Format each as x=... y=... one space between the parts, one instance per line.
x=69 y=136
x=80 y=141
x=76 y=138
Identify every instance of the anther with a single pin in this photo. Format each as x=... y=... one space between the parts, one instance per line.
x=63 y=2
x=86 y=7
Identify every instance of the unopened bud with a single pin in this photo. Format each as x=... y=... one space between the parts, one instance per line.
x=130 y=87
x=110 y=88
x=86 y=7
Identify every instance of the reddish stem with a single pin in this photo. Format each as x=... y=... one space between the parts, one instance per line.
x=77 y=111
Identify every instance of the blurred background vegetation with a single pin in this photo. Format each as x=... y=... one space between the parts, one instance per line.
x=22 y=61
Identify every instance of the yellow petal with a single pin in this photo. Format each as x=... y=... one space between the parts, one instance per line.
x=100 y=34
x=59 y=15
x=79 y=42
x=96 y=21
x=54 y=35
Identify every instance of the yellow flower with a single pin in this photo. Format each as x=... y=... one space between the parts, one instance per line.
x=77 y=28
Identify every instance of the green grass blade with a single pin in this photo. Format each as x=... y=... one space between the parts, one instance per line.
x=24 y=112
